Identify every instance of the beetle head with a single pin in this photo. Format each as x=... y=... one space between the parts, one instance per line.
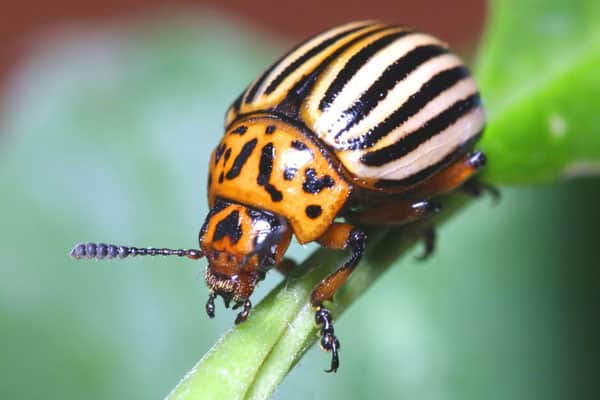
x=241 y=244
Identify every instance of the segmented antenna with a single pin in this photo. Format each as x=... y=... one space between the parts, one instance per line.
x=110 y=251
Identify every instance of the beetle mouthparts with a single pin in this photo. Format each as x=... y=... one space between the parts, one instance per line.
x=219 y=283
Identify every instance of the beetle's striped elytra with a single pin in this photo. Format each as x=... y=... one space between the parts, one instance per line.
x=376 y=103
x=364 y=124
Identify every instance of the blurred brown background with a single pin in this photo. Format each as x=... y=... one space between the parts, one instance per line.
x=22 y=21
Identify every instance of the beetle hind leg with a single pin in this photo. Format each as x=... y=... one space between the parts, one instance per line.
x=476 y=188
x=338 y=236
x=429 y=238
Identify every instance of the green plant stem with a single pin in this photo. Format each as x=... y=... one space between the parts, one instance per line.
x=281 y=328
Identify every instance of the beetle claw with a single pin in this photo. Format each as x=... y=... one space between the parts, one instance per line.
x=329 y=342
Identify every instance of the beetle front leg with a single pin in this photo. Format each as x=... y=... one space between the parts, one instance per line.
x=339 y=236
x=241 y=317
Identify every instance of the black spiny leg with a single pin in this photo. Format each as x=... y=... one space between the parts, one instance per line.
x=241 y=317
x=328 y=340
x=338 y=236
x=429 y=238
x=286 y=266
x=476 y=188
x=210 y=304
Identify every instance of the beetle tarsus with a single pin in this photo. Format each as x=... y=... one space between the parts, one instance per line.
x=241 y=317
x=329 y=342
x=429 y=237
x=210 y=305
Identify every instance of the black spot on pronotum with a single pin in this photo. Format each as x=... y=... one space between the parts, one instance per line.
x=313 y=211
x=229 y=226
x=314 y=185
x=241 y=159
x=221 y=177
x=298 y=145
x=270 y=129
x=226 y=155
x=289 y=173
x=240 y=130
x=265 y=169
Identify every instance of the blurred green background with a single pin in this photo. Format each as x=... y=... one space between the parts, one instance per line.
x=104 y=136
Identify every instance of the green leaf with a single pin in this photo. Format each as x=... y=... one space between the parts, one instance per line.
x=538 y=71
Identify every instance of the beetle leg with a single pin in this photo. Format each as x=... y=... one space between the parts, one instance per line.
x=328 y=342
x=476 y=188
x=241 y=317
x=338 y=236
x=210 y=304
x=428 y=242
x=286 y=266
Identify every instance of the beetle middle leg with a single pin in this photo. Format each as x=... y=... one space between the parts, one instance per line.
x=429 y=238
x=339 y=236
x=401 y=212
x=286 y=266
x=476 y=188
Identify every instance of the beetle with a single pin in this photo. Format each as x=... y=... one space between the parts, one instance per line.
x=363 y=124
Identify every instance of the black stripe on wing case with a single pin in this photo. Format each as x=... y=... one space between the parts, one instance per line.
x=430 y=90
x=291 y=104
x=356 y=62
x=431 y=128
x=393 y=74
x=422 y=174
x=237 y=103
x=251 y=92
x=307 y=56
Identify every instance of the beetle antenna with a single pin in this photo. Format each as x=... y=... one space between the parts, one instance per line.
x=99 y=251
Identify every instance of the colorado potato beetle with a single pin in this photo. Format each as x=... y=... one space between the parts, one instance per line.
x=362 y=124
